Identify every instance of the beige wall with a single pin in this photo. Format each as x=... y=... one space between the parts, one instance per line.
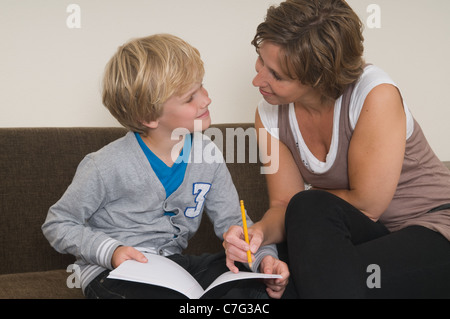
x=50 y=73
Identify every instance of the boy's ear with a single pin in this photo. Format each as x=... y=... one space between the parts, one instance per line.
x=151 y=124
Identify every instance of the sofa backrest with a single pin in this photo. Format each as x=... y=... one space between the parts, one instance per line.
x=38 y=164
x=36 y=167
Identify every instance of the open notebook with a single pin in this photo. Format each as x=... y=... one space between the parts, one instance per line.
x=161 y=271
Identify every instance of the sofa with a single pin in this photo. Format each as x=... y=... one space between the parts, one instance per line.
x=36 y=167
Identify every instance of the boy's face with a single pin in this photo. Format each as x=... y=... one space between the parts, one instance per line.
x=182 y=111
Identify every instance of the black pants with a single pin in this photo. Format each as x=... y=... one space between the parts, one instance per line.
x=335 y=251
x=204 y=268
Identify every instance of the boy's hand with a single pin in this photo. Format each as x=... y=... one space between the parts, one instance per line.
x=123 y=253
x=275 y=287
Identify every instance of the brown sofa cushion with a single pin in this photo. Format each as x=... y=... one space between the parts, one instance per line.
x=38 y=285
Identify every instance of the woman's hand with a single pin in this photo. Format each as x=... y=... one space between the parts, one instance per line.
x=275 y=287
x=236 y=248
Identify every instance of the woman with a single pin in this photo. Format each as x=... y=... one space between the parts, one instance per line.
x=376 y=221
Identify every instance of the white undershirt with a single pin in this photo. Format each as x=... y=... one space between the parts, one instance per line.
x=371 y=77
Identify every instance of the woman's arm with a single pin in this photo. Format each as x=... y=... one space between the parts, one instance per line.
x=282 y=185
x=376 y=152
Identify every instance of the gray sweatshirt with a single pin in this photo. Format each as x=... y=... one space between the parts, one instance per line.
x=116 y=199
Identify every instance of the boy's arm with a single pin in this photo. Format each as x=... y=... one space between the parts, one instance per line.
x=65 y=226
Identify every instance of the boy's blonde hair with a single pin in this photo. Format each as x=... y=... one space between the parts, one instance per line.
x=144 y=73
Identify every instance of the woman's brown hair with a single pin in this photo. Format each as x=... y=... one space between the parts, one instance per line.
x=321 y=40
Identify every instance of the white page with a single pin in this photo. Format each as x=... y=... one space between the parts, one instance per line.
x=161 y=271
x=230 y=276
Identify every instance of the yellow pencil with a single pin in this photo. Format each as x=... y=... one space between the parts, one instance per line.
x=244 y=224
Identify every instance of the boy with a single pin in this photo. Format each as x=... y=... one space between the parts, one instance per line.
x=133 y=193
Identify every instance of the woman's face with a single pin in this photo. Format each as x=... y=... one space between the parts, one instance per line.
x=275 y=86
